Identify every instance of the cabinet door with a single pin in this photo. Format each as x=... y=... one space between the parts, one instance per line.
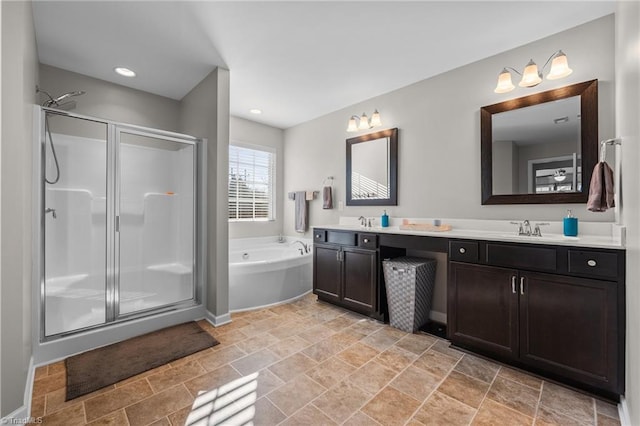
x=359 y=276
x=568 y=326
x=483 y=308
x=326 y=272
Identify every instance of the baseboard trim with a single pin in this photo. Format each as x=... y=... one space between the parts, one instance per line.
x=438 y=317
x=623 y=412
x=21 y=414
x=218 y=320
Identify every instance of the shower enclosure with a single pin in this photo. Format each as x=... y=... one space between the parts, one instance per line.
x=119 y=214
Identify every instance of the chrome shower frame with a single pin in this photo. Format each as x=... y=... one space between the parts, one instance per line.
x=116 y=327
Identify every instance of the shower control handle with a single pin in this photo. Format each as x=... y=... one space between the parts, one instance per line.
x=52 y=211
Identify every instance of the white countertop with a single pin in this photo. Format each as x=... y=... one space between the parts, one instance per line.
x=591 y=234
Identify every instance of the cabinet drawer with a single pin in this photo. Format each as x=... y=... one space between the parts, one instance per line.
x=522 y=257
x=319 y=235
x=593 y=263
x=344 y=238
x=368 y=241
x=463 y=251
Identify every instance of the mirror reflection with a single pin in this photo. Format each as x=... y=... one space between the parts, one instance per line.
x=372 y=169
x=537 y=149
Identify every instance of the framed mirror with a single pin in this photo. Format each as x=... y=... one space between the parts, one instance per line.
x=542 y=148
x=372 y=169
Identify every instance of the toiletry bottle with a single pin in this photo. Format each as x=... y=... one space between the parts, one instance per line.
x=384 y=220
x=570 y=225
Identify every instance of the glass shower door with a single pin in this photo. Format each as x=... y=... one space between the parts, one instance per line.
x=74 y=167
x=155 y=221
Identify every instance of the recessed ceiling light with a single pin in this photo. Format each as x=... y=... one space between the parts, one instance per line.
x=126 y=72
x=255 y=111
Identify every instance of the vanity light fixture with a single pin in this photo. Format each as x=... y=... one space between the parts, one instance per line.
x=531 y=76
x=125 y=72
x=560 y=175
x=363 y=123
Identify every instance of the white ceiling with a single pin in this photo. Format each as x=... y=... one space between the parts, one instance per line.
x=295 y=60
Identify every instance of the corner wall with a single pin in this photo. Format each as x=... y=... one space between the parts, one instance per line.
x=205 y=113
x=19 y=78
x=439 y=134
x=250 y=132
x=627 y=52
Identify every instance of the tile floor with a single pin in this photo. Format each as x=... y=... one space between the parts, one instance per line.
x=309 y=363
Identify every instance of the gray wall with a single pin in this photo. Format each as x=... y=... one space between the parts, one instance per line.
x=627 y=97
x=205 y=112
x=250 y=132
x=111 y=101
x=19 y=77
x=439 y=134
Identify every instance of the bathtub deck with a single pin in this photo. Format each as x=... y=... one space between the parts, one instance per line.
x=310 y=363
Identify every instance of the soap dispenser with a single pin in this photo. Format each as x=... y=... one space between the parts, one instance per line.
x=384 y=220
x=570 y=225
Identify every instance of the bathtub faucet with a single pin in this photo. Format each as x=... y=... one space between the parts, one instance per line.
x=281 y=239
x=304 y=246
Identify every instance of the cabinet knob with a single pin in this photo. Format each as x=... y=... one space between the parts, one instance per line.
x=366 y=240
x=317 y=235
x=591 y=262
x=462 y=250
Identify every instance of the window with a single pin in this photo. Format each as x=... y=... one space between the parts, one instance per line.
x=251 y=183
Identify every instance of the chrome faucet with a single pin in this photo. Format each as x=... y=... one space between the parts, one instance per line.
x=536 y=230
x=304 y=246
x=527 y=228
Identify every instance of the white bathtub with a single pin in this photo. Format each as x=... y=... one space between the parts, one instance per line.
x=263 y=272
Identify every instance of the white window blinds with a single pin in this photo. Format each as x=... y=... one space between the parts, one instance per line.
x=251 y=183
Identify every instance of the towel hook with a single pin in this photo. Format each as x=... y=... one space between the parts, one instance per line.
x=326 y=179
x=603 y=147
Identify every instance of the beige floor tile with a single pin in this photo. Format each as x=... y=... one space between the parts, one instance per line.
x=288 y=346
x=360 y=419
x=323 y=349
x=491 y=413
x=520 y=377
x=607 y=408
x=372 y=377
x=383 y=339
x=142 y=375
x=56 y=400
x=566 y=402
x=37 y=406
x=256 y=343
x=440 y=409
x=607 y=421
x=175 y=375
x=330 y=372
x=56 y=368
x=295 y=394
x=255 y=362
x=416 y=383
x=546 y=416
x=341 y=401
x=396 y=358
x=391 y=407
x=212 y=380
x=116 y=418
x=346 y=337
x=514 y=395
x=477 y=368
x=464 y=388
x=316 y=334
x=49 y=384
x=416 y=343
x=367 y=326
x=309 y=415
x=358 y=354
x=231 y=337
x=161 y=422
x=72 y=415
x=267 y=381
x=222 y=356
x=444 y=347
x=158 y=406
x=340 y=323
x=435 y=363
x=40 y=372
x=288 y=368
x=266 y=413
x=117 y=398
x=179 y=418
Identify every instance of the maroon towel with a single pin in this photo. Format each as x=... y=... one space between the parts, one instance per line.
x=601 y=188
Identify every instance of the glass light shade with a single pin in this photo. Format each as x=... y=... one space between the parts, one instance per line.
x=559 y=175
x=375 y=119
x=530 y=76
x=504 y=82
x=353 y=127
x=559 y=66
x=364 y=122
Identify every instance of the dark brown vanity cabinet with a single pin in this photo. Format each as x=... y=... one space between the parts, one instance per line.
x=345 y=270
x=568 y=327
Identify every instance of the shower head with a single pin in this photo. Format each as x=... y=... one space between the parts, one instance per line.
x=55 y=102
